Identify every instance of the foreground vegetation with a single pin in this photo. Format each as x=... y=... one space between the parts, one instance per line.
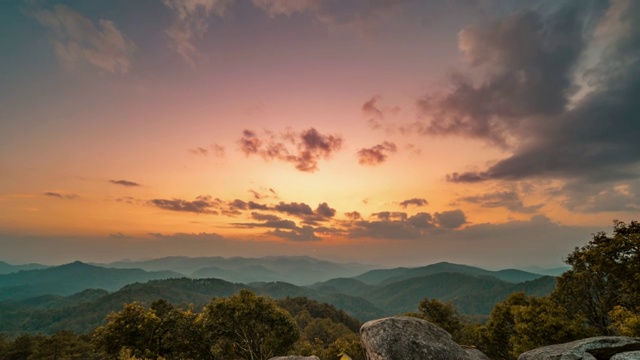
x=599 y=295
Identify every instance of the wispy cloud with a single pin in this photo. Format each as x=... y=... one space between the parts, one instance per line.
x=190 y=23
x=414 y=201
x=287 y=7
x=377 y=154
x=507 y=199
x=78 y=41
x=203 y=204
x=125 y=183
x=215 y=150
x=59 y=195
x=303 y=149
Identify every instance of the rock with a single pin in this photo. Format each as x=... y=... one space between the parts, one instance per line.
x=295 y=357
x=403 y=338
x=601 y=347
x=475 y=354
x=629 y=355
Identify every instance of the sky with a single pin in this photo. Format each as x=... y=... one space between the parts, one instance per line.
x=391 y=132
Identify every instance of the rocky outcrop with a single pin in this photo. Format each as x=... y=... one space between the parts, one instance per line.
x=403 y=337
x=629 y=355
x=598 y=348
x=295 y=357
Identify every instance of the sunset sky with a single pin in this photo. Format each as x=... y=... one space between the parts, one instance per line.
x=392 y=132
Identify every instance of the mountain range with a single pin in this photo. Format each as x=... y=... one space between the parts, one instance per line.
x=78 y=296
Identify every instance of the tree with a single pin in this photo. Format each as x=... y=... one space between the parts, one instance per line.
x=248 y=326
x=132 y=328
x=496 y=336
x=445 y=315
x=604 y=273
x=625 y=322
x=544 y=322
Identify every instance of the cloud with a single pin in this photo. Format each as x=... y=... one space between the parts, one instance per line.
x=216 y=150
x=450 y=219
x=376 y=114
x=305 y=233
x=203 y=204
x=559 y=94
x=78 y=41
x=283 y=228
x=377 y=154
x=60 y=195
x=303 y=149
x=325 y=211
x=124 y=183
x=505 y=199
x=274 y=8
x=190 y=23
x=294 y=208
x=400 y=225
x=415 y=202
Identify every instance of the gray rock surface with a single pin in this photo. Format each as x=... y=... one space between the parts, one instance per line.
x=629 y=355
x=408 y=338
x=475 y=354
x=295 y=357
x=601 y=347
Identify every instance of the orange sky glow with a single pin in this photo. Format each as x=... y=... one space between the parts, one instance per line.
x=493 y=133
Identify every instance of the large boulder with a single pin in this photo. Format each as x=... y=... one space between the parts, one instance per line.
x=600 y=348
x=403 y=338
x=629 y=355
x=295 y=357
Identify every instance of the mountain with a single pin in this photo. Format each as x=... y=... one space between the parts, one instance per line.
x=72 y=278
x=6 y=268
x=547 y=271
x=386 y=276
x=298 y=270
x=86 y=310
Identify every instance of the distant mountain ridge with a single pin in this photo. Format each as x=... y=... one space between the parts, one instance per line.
x=72 y=278
x=298 y=270
x=381 y=276
x=6 y=268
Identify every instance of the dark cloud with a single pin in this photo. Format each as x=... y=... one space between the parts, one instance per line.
x=450 y=219
x=283 y=228
x=305 y=233
x=400 y=225
x=60 y=195
x=595 y=198
x=507 y=199
x=377 y=154
x=294 y=208
x=353 y=215
x=303 y=149
x=560 y=92
x=203 y=204
x=325 y=211
x=124 y=183
x=415 y=202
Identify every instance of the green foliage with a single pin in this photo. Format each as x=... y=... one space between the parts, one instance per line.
x=543 y=322
x=445 y=315
x=315 y=309
x=624 y=321
x=160 y=331
x=497 y=334
x=248 y=326
x=605 y=273
x=63 y=345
